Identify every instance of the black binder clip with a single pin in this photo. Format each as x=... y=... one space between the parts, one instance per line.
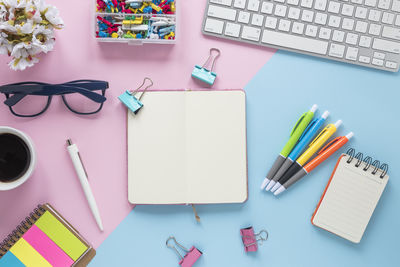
x=129 y=99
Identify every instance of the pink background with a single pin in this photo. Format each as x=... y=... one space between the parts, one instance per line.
x=102 y=138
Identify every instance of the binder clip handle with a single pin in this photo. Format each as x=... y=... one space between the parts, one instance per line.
x=134 y=92
x=174 y=246
x=212 y=58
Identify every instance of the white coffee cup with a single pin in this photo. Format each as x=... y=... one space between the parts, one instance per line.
x=28 y=172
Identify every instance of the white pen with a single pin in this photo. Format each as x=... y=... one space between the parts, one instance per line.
x=83 y=178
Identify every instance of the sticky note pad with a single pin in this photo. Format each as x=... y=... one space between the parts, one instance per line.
x=46 y=247
x=28 y=255
x=60 y=235
x=9 y=260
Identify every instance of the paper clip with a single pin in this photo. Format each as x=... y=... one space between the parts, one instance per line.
x=129 y=99
x=192 y=255
x=251 y=240
x=203 y=74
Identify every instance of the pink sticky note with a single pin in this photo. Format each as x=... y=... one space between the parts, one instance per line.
x=47 y=248
x=249 y=239
x=191 y=257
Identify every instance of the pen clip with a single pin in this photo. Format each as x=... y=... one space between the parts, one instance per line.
x=298 y=122
x=319 y=135
x=329 y=144
x=308 y=128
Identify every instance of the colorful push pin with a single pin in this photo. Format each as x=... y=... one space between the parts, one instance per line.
x=192 y=255
x=203 y=74
x=251 y=240
x=129 y=99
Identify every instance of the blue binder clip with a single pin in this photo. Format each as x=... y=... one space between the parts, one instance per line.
x=129 y=99
x=203 y=74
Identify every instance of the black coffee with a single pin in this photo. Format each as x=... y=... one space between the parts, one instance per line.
x=14 y=157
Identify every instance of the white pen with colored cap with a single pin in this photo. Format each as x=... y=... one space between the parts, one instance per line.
x=82 y=175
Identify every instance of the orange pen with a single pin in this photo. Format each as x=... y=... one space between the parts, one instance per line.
x=325 y=153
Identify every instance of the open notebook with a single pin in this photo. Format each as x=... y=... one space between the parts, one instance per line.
x=188 y=147
x=351 y=196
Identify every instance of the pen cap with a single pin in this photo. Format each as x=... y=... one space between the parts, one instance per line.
x=349 y=135
x=314 y=108
x=325 y=114
x=338 y=123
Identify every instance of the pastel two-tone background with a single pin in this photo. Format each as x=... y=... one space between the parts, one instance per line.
x=279 y=87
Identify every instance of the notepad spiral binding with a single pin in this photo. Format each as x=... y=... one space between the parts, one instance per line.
x=367 y=160
x=20 y=230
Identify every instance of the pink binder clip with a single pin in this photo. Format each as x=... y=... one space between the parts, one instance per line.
x=192 y=255
x=250 y=240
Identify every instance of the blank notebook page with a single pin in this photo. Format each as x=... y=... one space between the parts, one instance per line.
x=350 y=200
x=188 y=147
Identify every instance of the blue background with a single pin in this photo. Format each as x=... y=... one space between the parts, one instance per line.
x=368 y=103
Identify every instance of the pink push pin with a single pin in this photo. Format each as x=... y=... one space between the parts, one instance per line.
x=250 y=240
x=192 y=255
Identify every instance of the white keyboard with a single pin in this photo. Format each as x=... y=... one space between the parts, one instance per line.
x=362 y=32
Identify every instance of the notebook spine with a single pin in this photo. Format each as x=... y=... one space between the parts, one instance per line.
x=20 y=230
x=368 y=163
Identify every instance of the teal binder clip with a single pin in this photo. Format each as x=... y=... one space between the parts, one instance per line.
x=129 y=99
x=203 y=74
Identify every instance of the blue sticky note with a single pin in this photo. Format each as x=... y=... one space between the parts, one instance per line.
x=131 y=101
x=204 y=75
x=9 y=260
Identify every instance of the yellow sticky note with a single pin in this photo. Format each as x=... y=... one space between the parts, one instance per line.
x=28 y=255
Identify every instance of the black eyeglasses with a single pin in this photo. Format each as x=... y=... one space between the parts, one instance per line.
x=31 y=99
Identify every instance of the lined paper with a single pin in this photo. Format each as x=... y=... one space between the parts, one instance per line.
x=350 y=200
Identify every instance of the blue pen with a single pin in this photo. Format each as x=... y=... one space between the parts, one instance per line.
x=306 y=137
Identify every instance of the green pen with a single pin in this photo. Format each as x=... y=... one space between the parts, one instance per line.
x=295 y=135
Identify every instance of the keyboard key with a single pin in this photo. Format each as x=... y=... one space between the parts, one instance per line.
x=298 y=27
x=357 y=2
x=397 y=22
x=336 y=50
x=391 y=65
x=384 y=4
x=222 y=2
x=284 y=25
x=379 y=55
x=325 y=33
x=377 y=62
x=307 y=15
x=334 y=21
x=293 y=2
x=374 y=29
x=320 y=5
x=244 y=17
x=396 y=5
x=347 y=10
x=306 y=3
x=280 y=10
x=374 y=15
x=251 y=33
x=364 y=59
x=240 y=4
x=351 y=38
x=334 y=7
x=352 y=53
x=232 y=29
x=222 y=12
x=294 y=13
x=385 y=45
x=253 y=5
x=348 y=24
x=270 y=22
x=390 y=32
x=295 y=42
x=214 y=26
x=361 y=26
x=267 y=7
x=371 y=3
x=338 y=36
x=279 y=1
x=311 y=30
x=361 y=12
x=365 y=41
x=387 y=18
x=257 y=20
x=321 y=18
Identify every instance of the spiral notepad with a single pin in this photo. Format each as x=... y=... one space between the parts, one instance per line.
x=45 y=238
x=351 y=196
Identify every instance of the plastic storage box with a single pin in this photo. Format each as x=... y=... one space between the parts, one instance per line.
x=136 y=22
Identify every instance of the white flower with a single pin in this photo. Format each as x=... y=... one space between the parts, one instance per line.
x=26 y=28
x=5 y=46
x=53 y=16
x=3 y=12
x=7 y=27
x=43 y=39
x=22 y=63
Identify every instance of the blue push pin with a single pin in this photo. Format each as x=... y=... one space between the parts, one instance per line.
x=203 y=74
x=129 y=99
